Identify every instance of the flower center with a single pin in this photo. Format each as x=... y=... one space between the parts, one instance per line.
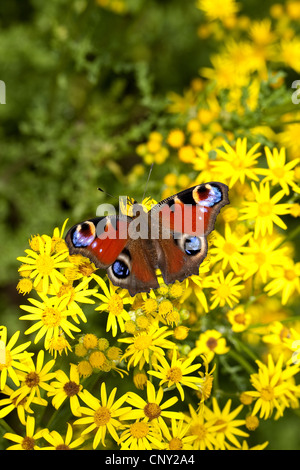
x=152 y=411
x=260 y=258
x=44 y=264
x=211 y=343
x=174 y=374
x=175 y=444
x=142 y=342
x=265 y=208
x=223 y=291
x=71 y=388
x=240 y=318
x=28 y=443
x=139 y=430
x=102 y=416
x=32 y=379
x=267 y=393
x=51 y=316
x=198 y=430
x=115 y=304
x=229 y=248
x=279 y=172
x=289 y=274
x=62 y=447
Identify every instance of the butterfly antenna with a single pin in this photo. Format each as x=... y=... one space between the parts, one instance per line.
x=110 y=195
x=148 y=180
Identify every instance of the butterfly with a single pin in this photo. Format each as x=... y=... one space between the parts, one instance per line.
x=171 y=237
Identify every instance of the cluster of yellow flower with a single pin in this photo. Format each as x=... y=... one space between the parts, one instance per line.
x=237 y=314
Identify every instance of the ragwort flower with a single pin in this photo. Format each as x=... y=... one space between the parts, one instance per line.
x=265 y=210
x=14 y=357
x=274 y=390
x=45 y=265
x=50 y=316
x=27 y=442
x=113 y=302
x=102 y=415
x=177 y=372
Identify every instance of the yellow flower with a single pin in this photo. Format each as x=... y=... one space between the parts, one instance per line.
x=114 y=302
x=280 y=337
x=280 y=172
x=265 y=210
x=59 y=443
x=205 y=388
x=237 y=163
x=229 y=248
x=225 y=289
x=44 y=265
x=35 y=379
x=239 y=319
x=290 y=53
x=140 y=436
x=102 y=415
x=176 y=138
x=177 y=372
x=245 y=446
x=140 y=379
x=85 y=369
x=58 y=345
x=226 y=426
x=14 y=357
x=260 y=32
x=176 y=436
x=9 y=404
x=218 y=9
x=58 y=242
x=273 y=387
x=27 y=442
x=77 y=294
x=287 y=281
x=202 y=429
x=153 y=409
x=289 y=139
x=210 y=343
x=25 y=285
x=262 y=257
x=145 y=345
x=50 y=317
x=186 y=154
x=66 y=388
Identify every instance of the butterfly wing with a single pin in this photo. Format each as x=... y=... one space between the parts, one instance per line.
x=130 y=263
x=185 y=220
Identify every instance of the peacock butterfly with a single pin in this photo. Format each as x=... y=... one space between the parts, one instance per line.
x=172 y=237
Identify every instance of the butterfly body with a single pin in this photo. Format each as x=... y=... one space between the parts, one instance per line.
x=171 y=237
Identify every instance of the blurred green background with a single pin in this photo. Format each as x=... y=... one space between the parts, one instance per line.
x=84 y=86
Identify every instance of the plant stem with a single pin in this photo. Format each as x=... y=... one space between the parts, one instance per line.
x=241 y=360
